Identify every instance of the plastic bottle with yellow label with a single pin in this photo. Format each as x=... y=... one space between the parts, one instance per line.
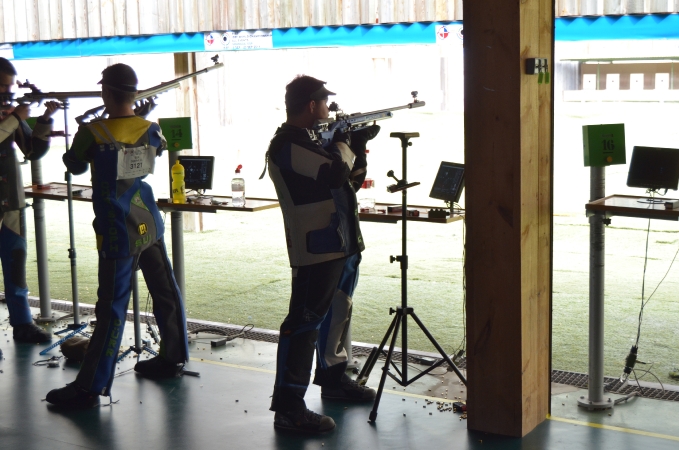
x=178 y=187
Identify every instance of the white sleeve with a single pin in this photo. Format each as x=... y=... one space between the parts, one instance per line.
x=8 y=126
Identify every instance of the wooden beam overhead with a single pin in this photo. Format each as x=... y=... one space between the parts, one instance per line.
x=508 y=155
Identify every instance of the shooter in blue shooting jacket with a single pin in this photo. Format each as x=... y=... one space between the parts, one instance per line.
x=122 y=150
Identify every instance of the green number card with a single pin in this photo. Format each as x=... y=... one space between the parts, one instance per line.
x=604 y=145
x=31 y=121
x=177 y=131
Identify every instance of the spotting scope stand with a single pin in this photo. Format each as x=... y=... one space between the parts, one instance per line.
x=402 y=312
x=76 y=327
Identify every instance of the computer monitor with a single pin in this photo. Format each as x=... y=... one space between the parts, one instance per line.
x=654 y=168
x=449 y=182
x=197 y=171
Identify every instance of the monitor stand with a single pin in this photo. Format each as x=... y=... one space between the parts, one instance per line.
x=651 y=199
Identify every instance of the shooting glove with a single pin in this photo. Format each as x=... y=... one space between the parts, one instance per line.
x=360 y=138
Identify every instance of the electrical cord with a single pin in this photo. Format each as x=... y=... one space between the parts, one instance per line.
x=631 y=359
x=221 y=332
x=50 y=362
x=461 y=349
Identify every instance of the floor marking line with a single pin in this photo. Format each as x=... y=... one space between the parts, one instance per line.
x=385 y=391
x=614 y=428
x=235 y=366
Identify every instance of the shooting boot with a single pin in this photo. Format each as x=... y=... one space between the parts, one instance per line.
x=348 y=390
x=72 y=396
x=157 y=368
x=303 y=421
x=31 y=333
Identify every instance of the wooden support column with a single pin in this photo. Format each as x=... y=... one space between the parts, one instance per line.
x=508 y=155
x=185 y=63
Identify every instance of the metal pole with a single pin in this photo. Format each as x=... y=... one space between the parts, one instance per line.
x=595 y=398
x=177 y=220
x=135 y=309
x=41 y=246
x=71 y=230
x=404 y=261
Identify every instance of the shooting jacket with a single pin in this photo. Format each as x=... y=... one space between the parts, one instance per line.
x=121 y=152
x=34 y=144
x=318 y=202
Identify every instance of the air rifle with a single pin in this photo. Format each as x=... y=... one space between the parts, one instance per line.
x=149 y=95
x=37 y=96
x=325 y=129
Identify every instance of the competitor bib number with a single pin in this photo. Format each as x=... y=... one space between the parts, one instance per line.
x=135 y=162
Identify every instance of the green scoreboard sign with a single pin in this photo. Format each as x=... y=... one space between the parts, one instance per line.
x=604 y=145
x=177 y=131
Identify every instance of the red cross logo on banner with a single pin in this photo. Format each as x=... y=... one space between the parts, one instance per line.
x=443 y=33
x=210 y=39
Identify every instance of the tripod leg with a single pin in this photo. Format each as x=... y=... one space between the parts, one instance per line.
x=438 y=347
x=394 y=325
x=374 y=354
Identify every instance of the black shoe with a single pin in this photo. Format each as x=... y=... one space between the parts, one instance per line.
x=158 y=367
x=348 y=390
x=72 y=396
x=30 y=332
x=303 y=421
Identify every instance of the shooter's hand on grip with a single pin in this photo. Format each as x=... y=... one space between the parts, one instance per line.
x=143 y=108
x=22 y=112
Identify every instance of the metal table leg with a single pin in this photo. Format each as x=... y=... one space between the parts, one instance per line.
x=595 y=399
x=41 y=247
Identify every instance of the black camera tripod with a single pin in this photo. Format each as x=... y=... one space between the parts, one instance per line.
x=402 y=312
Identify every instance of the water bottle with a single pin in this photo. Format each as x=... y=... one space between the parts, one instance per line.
x=238 y=189
x=178 y=186
x=367 y=201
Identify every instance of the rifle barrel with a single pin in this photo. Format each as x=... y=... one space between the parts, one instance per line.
x=397 y=108
x=162 y=87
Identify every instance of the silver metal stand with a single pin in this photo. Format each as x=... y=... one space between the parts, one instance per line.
x=347 y=347
x=177 y=220
x=595 y=399
x=71 y=232
x=138 y=348
x=41 y=247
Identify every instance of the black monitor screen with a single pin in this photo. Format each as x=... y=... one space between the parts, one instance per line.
x=197 y=171
x=654 y=168
x=449 y=182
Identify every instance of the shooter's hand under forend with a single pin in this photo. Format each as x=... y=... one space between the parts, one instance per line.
x=360 y=138
x=143 y=108
x=50 y=108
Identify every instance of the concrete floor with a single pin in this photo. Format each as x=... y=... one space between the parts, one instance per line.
x=228 y=406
